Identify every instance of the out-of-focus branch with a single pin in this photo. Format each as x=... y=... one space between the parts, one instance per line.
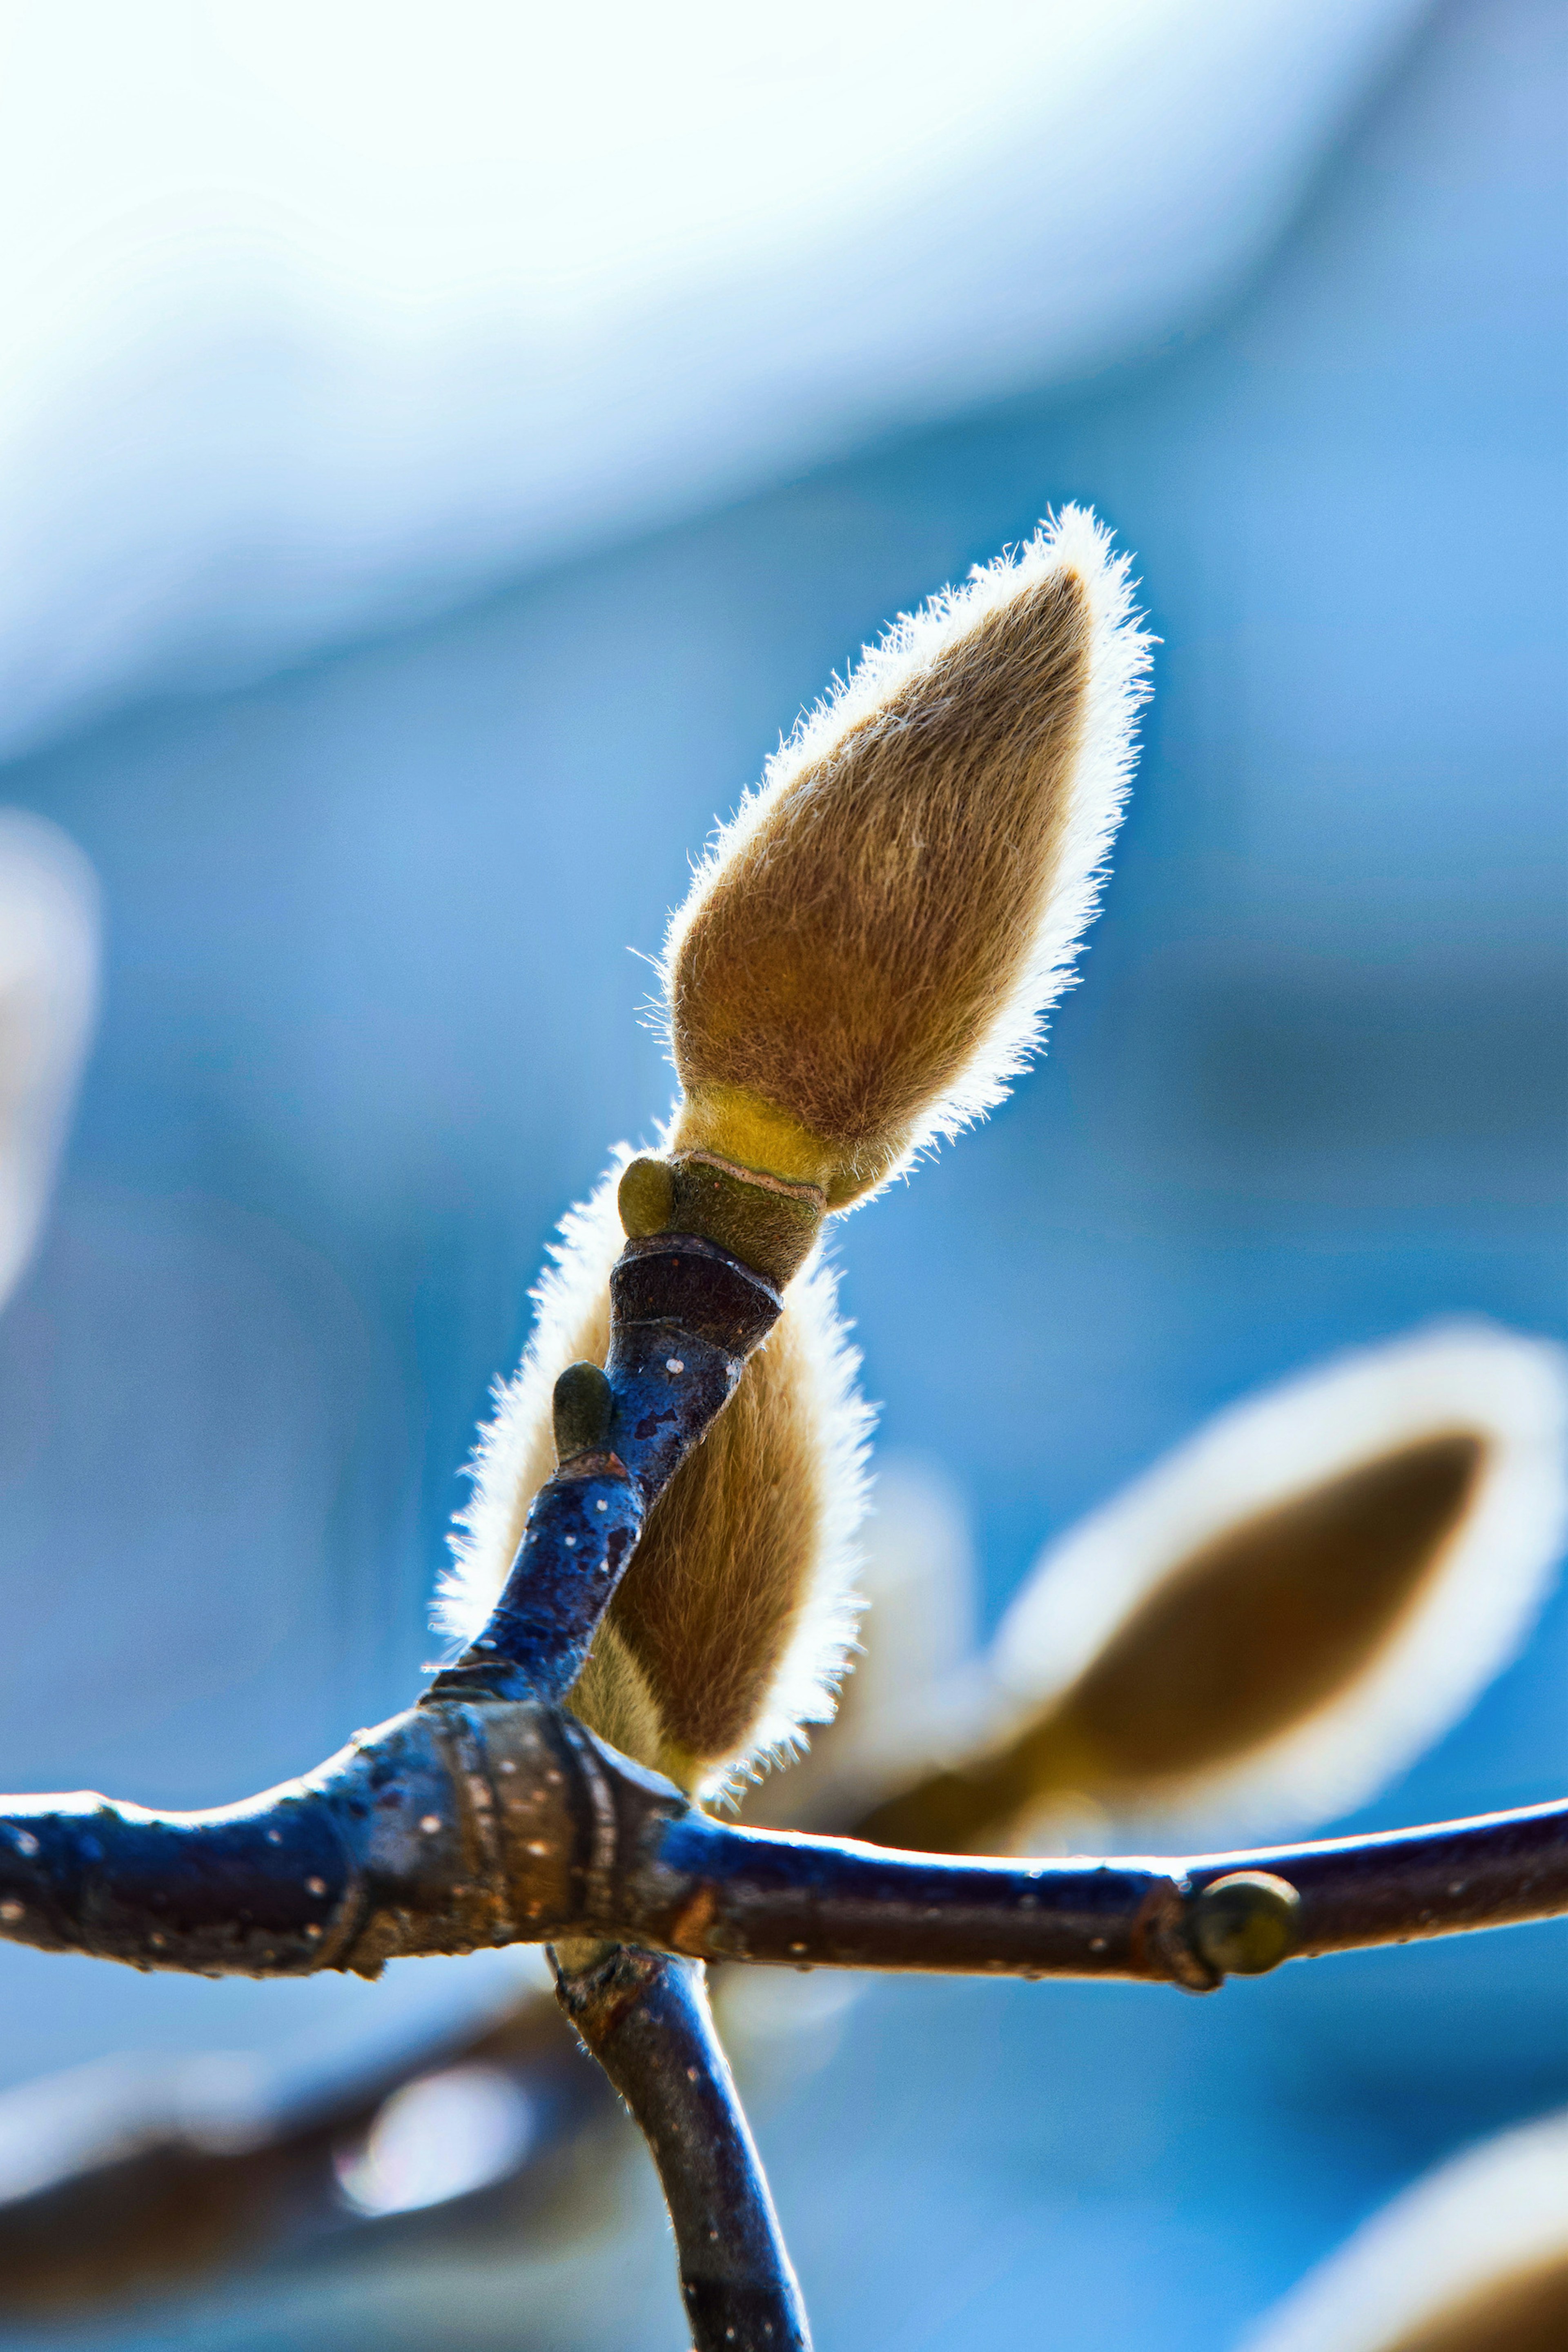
x=645 y=2017
x=178 y=2189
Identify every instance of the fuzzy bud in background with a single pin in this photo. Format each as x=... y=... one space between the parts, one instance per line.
x=731 y=1626
x=1472 y=2259
x=868 y=949
x=1270 y=1624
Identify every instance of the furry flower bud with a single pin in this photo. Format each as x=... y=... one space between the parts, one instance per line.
x=866 y=952
x=1270 y=1624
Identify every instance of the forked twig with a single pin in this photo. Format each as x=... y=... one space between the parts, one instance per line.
x=488 y=1815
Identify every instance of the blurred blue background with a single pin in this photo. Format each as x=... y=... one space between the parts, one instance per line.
x=370 y=1022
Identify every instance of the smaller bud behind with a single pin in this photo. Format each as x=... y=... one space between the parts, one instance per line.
x=733 y=1621
x=866 y=952
x=1269 y=1625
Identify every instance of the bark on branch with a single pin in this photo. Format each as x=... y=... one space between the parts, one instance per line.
x=461 y=1825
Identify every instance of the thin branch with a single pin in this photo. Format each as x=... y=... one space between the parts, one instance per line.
x=727 y=1892
x=646 y=2018
x=684 y=1317
x=454 y=1827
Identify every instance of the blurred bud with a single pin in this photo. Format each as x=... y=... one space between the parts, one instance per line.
x=1473 y=2258
x=732 y=1623
x=439 y=2136
x=917 y=1584
x=1277 y=1619
x=867 y=952
x=48 y=985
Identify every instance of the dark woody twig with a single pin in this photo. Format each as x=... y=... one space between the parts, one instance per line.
x=685 y=1314
x=757 y=1894
x=456 y=1827
x=645 y=2016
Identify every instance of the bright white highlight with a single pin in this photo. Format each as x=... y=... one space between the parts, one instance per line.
x=48 y=994
x=441 y=2136
x=1469 y=1618
x=1497 y=2212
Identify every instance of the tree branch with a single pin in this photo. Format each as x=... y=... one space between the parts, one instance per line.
x=454 y=1827
x=646 y=2018
x=727 y=1892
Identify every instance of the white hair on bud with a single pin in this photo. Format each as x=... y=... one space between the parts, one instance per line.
x=804 y=1689
x=1096 y=782
x=1465 y=1621
x=48 y=992
x=1494 y=2215
x=516 y=1450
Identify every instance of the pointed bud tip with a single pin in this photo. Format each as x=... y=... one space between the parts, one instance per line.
x=867 y=952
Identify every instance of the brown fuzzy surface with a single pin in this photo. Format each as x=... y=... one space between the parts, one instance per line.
x=1268 y=1622
x=846 y=957
x=1262 y=1626
x=725 y=1565
x=1525 y=2313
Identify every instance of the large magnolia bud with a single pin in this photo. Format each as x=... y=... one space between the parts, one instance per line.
x=867 y=952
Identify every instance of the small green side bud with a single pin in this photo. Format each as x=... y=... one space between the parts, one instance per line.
x=1245 y=1925
x=645 y=1198
x=583 y=1403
